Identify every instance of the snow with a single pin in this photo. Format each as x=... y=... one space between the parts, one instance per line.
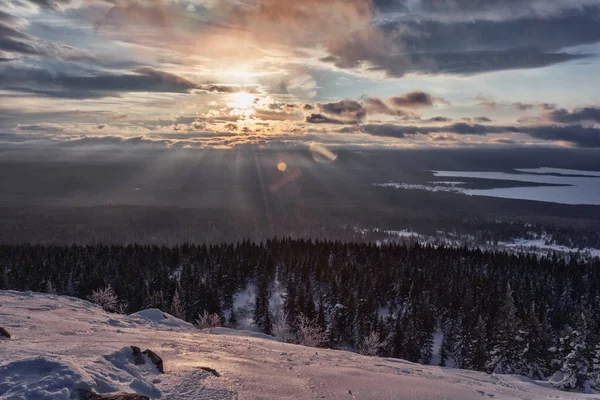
x=61 y=345
x=156 y=317
x=429 y=188
x=574 y=190
x=540 y=244
x=403 y=233
x=558 y=171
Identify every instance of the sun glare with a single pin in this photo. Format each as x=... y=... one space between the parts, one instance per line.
x=241 y=100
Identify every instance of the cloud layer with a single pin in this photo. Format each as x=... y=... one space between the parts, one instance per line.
x=337 y=72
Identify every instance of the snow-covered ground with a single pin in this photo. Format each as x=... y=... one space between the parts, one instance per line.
x=61 y=345
x=430 y=188
x=540 y=246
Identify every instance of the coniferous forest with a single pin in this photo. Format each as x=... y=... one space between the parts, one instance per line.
x=496 y=312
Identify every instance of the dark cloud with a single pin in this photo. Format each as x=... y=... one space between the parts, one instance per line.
x=470 y=45
x=548 y=106
x=415 y=99
x=391 y=130
x=51 y=4
x=14 y=40
x=483 y=119
x=503 y=141
x=401 y=106
x=46 y=83
x=346 y=110
x=462 y=6
x=439 y=119
x=375 y=105
x=400 y=131
x=579 y=135
x=576 y=134
x=322 y=119
x=584 y=114
x=519 y=106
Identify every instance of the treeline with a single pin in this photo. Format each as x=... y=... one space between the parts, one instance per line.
x=172 y=225
x=497 y=312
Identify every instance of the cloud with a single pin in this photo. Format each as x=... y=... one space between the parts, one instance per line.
x=415 y=99
x=60 y=85
x=485 y=102
x=401 y=106
x=483 y=119
x=584 y=114
x=576 y=134
x=322 y=119
x=439 y=119
x=51 y=4
x=348 y=110
x=465 y=46
x=219 y=88
x=519 y=106
x=548 y=106
x=13 y=39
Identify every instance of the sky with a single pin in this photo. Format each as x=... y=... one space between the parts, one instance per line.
x=316 y=73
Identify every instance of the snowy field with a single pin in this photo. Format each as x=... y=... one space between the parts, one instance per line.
x=63 y=345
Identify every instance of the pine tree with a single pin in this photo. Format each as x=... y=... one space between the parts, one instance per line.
x=398 y=339
x=262 y=317
x=233 y=320
x=478 y=352
x=443 y=352
x=575 y=364
x=505 y=357
x=534 y=354
x=595 y=368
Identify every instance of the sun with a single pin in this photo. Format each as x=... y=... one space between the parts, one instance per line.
x=241 y=100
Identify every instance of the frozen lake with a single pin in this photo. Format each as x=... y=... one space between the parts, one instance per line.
x=584 y=189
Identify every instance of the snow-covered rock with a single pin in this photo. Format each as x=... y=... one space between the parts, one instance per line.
x=61 y=346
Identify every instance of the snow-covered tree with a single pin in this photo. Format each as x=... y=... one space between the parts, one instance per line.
x=595 y=368
x=50 y=289
x=371 y=345
x=309 y=332
x=574 y=370
x=478 y=351
x=508 y=339
x=176 y=306
x=105 y=298
x=534 y=354
x=281 y=328
x=208 y=321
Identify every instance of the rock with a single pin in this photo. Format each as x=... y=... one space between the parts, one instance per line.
x=210 y=371
x=124 y=396
x=155 y=359
x=4 y=333
x=138 y=357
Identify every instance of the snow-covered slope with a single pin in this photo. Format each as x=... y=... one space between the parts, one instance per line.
x=62 y=345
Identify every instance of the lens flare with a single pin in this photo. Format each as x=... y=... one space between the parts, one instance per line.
x=282 y=166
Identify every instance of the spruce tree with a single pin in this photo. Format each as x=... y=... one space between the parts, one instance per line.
x=508 y=340
x=479 y=353
x=574 y=369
